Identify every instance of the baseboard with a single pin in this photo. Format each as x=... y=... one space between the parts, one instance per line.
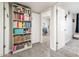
x=53 y=49
x=36 y=43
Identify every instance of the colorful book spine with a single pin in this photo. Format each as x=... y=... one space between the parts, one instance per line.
x=17 y=24
x=14 y=24
x=23 y=24
x=18 y=31
x=28 y=25
x=14 y=48
x=21 y=17
x=20 y=24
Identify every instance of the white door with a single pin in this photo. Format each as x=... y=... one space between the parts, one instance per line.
x=36 y=28
x=7 y=31
x=60 y=28
x=1 y=29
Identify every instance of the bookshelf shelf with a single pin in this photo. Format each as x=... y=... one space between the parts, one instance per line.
x=21 y=21
x=22 y=34
x=22 y=42
x=22 y=49
x=18 y=12
x=21 y=27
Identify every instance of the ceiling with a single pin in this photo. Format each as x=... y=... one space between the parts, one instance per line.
x=40 y=6
x=70 y=6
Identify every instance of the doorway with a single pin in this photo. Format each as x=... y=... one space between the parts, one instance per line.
x=45 y=30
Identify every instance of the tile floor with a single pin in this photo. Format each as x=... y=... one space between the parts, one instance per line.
x=37 y=50
x=71 y=49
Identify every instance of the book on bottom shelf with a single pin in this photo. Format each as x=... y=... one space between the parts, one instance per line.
x=20 y=39
x=21 y=46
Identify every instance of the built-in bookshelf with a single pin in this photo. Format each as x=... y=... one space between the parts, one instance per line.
x=21 y=27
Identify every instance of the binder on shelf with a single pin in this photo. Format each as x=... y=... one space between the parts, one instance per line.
x=18 y=31
x=28 y=25
x=21 y=17
x=23 y=24
x=20 y=24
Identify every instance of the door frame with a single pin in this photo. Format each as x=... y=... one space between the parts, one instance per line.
x=4 y=28
x=41 y=41
x=57 y=43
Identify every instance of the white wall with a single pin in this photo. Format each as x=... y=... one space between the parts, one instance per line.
x=7 y=31
x=1 y=29
x=68 y=28
x=74 y=24
x=36 y=28
x=53 y=29
x=5 y=40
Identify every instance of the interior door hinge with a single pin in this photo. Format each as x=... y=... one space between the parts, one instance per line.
x=4 y=46
x=4 y=8
x=57 y=43
x=56 y=10
x=4 y=27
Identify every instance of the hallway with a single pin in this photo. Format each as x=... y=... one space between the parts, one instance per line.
x=38 y=32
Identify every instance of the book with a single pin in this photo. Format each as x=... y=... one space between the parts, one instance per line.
x=20 y=24
x=26 y=18
x=14 y=24
x=28 y=24
x=21 y=17
x=18 y=31
x=23 y=25
x=14 y=48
